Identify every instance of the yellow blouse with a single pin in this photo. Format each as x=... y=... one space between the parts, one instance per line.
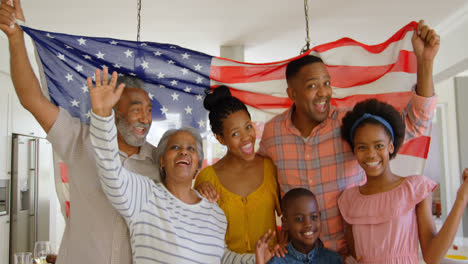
x=248 y=217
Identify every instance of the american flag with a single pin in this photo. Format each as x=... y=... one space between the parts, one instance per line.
x=177 y=78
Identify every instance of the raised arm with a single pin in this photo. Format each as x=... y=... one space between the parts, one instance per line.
x=420 y=110
x=435 y=245
x=125 y=190
x=26 y=84
x=426 y=44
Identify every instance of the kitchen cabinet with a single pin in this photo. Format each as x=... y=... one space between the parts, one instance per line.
x=4 y=238
x=5 y=133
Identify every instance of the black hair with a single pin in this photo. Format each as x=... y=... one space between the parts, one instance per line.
x=378 y=108
x=292 y=196
x=221 y=104
x=296 y=65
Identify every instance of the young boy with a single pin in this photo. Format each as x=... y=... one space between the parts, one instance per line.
x=301 y=219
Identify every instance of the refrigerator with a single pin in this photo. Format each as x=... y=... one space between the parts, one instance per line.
x=31 y=192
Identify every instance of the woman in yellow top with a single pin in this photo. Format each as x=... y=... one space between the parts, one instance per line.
x=246 y=182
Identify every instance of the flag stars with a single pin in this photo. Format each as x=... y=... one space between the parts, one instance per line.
x=199 y=79
x=170 y=62
x=113 y=42
x=69 y=77
x=82 y=41
x=184 y=71
x=188 y=110
x=100 y=55
x=143 y=45
x=150 y=95
x=87 y=57
x=79 y=68
x=164 y=110
x=198 y=67
x=88 y=114
x=157 y=53
x=68 y=47
x=185 y=55
x=75 y=103
x=61 y=56
x=132 y=74
x=117 y=66
x=128 y=53
x=49 y=35
x=199 y=97
x=201 y=123
x=160 y=75
x=187 y=89
x=84 y=88
x=175 y=97
x=144 y=65
x=174 y=82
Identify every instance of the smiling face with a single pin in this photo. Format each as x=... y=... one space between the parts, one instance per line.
x=133 y=117
x=310 y=90
x=239 y=135
x=372 y=148
x=180 y=159
x=301 y=220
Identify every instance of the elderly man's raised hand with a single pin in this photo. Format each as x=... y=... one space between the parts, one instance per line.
x=104 y=95
x=426 y=42
x=9 y=13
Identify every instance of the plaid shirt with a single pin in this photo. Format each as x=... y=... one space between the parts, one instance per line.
x=324 y=162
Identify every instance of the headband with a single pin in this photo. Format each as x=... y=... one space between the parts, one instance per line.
x=367 y=116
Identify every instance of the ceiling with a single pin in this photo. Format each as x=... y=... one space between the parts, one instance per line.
x=269 y=30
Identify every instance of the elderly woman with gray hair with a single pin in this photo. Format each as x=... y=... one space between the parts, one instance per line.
x=169 y=222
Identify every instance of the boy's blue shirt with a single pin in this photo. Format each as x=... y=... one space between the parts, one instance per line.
x=318 y=255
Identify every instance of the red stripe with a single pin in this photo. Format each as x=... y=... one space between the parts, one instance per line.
x=399 y=100
x=370 y=48
x=418 y=147
x=399 y=35
x=350 y=76
x=262 y=101
x=242 y=74
x=67 y=208
x=63 y=172
x=341 y=76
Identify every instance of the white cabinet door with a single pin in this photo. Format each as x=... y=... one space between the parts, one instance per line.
x=4 y=238
x=5 y=139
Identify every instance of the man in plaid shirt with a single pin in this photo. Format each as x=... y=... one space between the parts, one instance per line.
x=305 y=142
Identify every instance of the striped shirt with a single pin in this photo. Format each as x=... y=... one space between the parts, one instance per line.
x=162 y=228
x=324 y=162
x=95 y=232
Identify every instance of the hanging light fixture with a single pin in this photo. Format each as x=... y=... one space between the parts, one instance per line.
x=307 y=39
x=138 y=19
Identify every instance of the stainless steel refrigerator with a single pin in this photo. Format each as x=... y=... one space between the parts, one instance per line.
x=31 y=188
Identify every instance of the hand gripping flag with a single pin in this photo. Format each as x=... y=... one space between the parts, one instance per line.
x=177 y=78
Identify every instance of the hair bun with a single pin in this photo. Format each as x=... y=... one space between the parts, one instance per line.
x=215 y=96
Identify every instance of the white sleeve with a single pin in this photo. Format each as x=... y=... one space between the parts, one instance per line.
x=125 y=190
x=231 y=257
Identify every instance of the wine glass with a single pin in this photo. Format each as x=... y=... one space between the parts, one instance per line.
x=23 y=258
x=41 y=250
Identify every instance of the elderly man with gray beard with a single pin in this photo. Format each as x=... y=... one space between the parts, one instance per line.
x=94 y=232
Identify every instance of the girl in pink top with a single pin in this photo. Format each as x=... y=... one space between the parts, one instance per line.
x=387 y=216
